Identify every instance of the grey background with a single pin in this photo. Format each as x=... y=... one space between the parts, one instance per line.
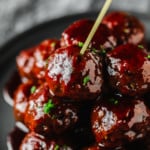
x=16 y=16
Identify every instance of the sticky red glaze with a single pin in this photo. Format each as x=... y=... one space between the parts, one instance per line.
x=128 y=69
x=61 y=118
x=41 y=54
x=25 y=63
x=66 y=72
x=34 y=141
x=96 y=147
x=79 y=30
x=21 y=97
x=60 y=71
x=15 y=138
x=125 y=27
x=117 y=124
x=31 y=62
x=93 y=147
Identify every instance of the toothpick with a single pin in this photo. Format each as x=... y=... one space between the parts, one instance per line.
x=96 y=25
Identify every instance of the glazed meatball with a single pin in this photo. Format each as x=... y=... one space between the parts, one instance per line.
x=128 y=68
x=34 y=141
x=21 y=97
x=47 y=115
x=79 y=30
x=15 y=138
x=72 y=75
x=31 y=62
x=125 y=27
x=25 y=63
x=117 y=121
x=41 y=54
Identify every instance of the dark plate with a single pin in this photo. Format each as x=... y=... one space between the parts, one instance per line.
x=50 y=29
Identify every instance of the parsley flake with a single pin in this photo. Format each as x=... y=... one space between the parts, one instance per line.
x=140 y=46
x=86 y=80
x=148 y=56
x=103 y=51
x=48 y=107
x=80 y=44
x=94 y=50
x=114 y=101
x=33 y=89
x=56 y=147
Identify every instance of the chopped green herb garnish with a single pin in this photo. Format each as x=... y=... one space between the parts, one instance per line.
x=114 y=101
x=148 y=56
x=56 y=147
x=53 y=44
x=80 y=44
x=86 y=80
x=140 y=46
x=33 y=89
x=103 y=51
x=94 y=50
x=48 y=107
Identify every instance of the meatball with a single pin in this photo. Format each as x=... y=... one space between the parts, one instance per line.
x=117 y=121
x=79 y=30
x=128 y=68
x=31 y=62
x=34 y=141
x=25 y=63
x=125 y=27
x=15 y=138
x=41 y=54
x=74 y=76
x=48 y=115
x=21 y=96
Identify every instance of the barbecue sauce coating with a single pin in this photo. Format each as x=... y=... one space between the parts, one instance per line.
x=35 y=141
x=21 y=97
x=60 y=117
x=117 y=122
x=31 y=62
x=74 y=76
x=75 y=105
x=125 y=28
x=128 y=68
x=25 y=63
x=79 y=30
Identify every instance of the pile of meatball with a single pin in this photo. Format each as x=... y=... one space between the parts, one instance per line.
x=98 y=100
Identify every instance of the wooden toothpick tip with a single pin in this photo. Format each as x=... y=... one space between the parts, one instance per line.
x=96 y=25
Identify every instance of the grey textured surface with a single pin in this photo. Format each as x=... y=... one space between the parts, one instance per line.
x=17 y=16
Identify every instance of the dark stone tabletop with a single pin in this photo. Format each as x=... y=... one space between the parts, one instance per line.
x=17 y=16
